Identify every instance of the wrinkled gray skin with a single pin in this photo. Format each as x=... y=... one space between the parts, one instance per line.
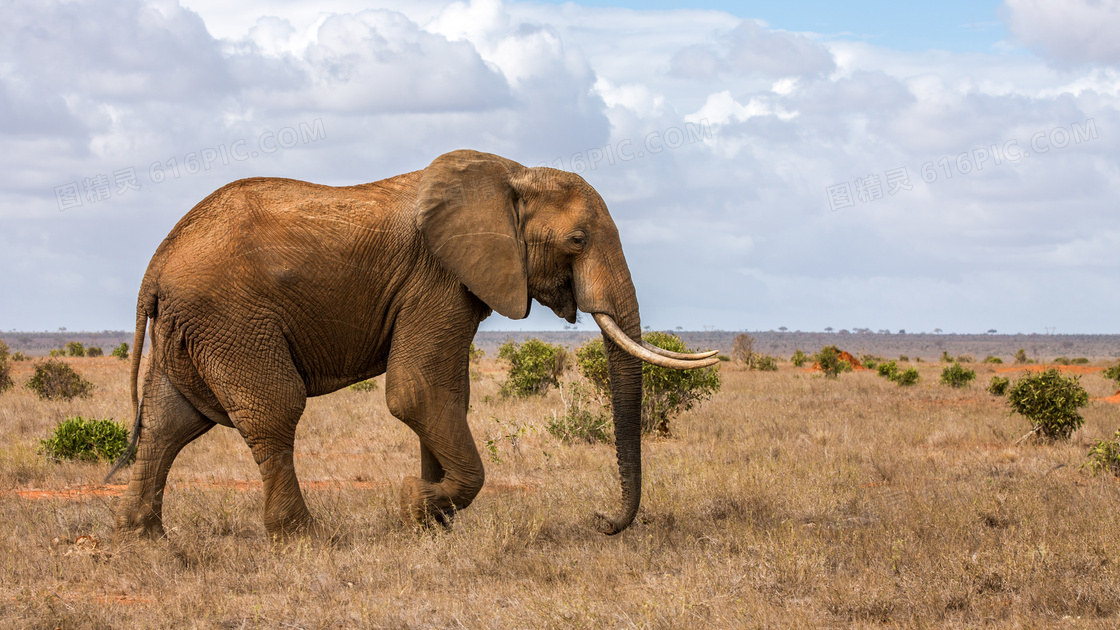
x=273 y=290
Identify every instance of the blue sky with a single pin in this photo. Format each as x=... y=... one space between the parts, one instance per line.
x=954 y=25
x=844 y=165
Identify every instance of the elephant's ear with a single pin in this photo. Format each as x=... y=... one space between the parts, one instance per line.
x=467 y=216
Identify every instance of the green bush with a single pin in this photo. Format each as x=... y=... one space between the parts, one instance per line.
x=586 y=416
x=19 y=356
x=998 y=386
x=888 y=370
x=5 y=369
x=474 y=354
x=75 y=349
x=992 y=359
x=368 y=385
x=830 y=363
x=956 y=375
x=870 y=361
x=724 y=358
x=534 y=367
x=54 y=379
x=907 y=378
x=1061 y=360
x=1050 y=401
x=1113 y=373
x=121 y=351
x=1079 y=361
x=765 y=363
x=86 y=440
x=666 y=393
x=94 y=351
x=965 y=358
x=945 y=358
x=57 y=352
x=799 y=358
x=1104 y=456
x=1021 y=357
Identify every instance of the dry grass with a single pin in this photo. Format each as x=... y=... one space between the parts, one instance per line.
x=788 y=500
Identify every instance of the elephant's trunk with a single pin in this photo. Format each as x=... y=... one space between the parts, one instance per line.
x=626 y=400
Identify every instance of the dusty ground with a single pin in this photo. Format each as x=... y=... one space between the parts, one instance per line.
x=787 y=500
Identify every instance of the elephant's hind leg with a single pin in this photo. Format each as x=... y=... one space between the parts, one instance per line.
x=168 y=423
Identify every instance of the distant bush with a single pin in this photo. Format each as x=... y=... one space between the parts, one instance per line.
x=5 y=369
x=1050 y=401
x=75 y=349
x=57 y=352
x=903 y=357
x=368 y=385
x=1061 y=360
x=992 y=359
x=86 y=440
x=870 y=361
x=1113 y=373
x=799 y=358
x=1104 y=456
x=945 y=358
x=765 y=363
x=888 y=370
x=723 y=357
x=666 y=392
x=54 y=379
x=20 y=356
x=586 y=417
x=94 y=351
x=1079 y=361
x=907 y=377
x=121 y=351
x=534 y=367
x=965 y=358
x=743 y=349
x=830 y=362
x=475 y=353
x=956 y=375
x=998 y=386
x=1021 y=357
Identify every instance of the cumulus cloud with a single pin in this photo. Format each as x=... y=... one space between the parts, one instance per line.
x=751 y=49
x=1068 y=31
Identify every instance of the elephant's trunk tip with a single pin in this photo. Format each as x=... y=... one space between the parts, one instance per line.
x=612 y=526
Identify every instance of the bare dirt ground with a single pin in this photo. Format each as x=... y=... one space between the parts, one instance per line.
x=787 y=500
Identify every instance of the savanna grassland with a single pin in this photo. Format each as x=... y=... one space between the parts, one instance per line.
x=787 y=500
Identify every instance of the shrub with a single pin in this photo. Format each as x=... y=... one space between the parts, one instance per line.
x=474 y=354
x=534 y=367
x=799 y=358
x=956 y=375
x=1104 y=456
x=586 y=415
x=75 y=349
x=830 y=363
x=54 y=379
x=1061 y=360
x=1113 y=373
x=888 y=370
x=945 y=358
x=368 y=385
x=992 y=359
x=86 y=440
x=743 y=349
x=121 y=351
x=903 y=357
x=666 y=393
x=19 y=356
x=5 y=369
x=965 y=358
x=57 y=352
x=765 y=363
x=998 y=386
x=724 y=358
x=907 y=378
x=94 y=351
x=1079 y=361
x=1050 y=401
x=1021 y=357
x=870 y=361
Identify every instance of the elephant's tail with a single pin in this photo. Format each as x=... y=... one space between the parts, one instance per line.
x=144 y=310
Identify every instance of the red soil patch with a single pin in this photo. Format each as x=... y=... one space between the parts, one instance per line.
x=1114 y=399
x=1071 y=369
x=844 y=356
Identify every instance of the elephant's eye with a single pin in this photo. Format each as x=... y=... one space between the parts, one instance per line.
x=578 y=240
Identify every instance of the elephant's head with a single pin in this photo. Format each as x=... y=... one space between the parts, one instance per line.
x=512 y=234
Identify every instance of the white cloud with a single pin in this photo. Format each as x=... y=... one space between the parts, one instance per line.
x=1068 y=31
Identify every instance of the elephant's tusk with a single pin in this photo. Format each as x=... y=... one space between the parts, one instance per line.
x=611 y=329
x=687 y=356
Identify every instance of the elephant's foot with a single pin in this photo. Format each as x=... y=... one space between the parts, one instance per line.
x=424 y=504
x=135 y=520
x=307 y=529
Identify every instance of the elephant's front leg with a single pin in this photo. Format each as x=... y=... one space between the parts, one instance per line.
x=451 y=468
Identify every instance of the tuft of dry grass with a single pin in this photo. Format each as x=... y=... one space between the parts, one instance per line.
x=787 y=500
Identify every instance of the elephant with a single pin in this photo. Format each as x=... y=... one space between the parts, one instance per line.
x=273 y=290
